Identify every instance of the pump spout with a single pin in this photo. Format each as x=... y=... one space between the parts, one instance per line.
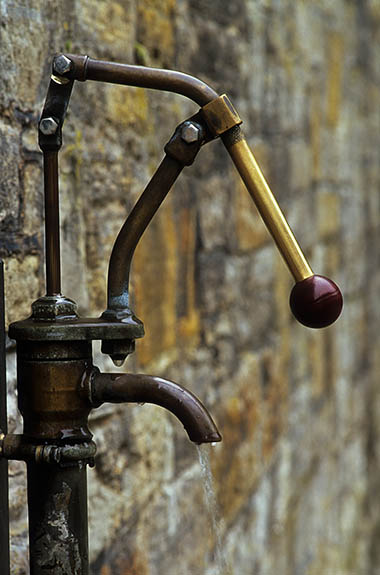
x=141 y=388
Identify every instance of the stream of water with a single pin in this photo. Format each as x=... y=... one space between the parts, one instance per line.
x=221 y=563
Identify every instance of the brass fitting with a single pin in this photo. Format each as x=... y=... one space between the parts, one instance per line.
x=220 y=115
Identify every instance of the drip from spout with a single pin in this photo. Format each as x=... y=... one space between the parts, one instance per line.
x=141 y=388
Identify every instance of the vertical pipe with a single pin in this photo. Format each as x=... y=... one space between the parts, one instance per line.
x=58 y=525
x=4 y=504
x=52 y=238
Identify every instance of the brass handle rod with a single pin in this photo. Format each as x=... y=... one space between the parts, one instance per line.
x=85 y=68
x=52 y=239
x=266 y=203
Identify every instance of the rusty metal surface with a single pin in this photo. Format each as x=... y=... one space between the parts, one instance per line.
x=86 y=68
x=57 y=446
x=78 y=329
x=50 y=399
x=141 y=388
x=4 y=505
x=16 y=447
x=53 y=350
x=58 y=533
x=54 y=307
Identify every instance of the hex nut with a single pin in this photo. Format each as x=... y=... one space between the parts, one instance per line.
x=51 y=307
x=48 y=126
x=62 y=64
x=190 y=133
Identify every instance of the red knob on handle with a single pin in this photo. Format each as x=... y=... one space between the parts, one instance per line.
x=316 y=301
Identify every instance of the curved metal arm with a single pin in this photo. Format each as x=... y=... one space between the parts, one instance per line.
x=131 y=232
x=179 y=154
x=85 y=68
x=141 y=388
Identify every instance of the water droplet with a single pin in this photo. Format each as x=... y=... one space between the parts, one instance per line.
x=117 y=361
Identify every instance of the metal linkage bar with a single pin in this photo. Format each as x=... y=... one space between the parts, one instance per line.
x=85 y=68
x=50 y=141
x=181 y=151
x=52 y=232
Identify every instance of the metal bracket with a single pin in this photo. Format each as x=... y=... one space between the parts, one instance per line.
x=53 y=114
x=17 y=447
x=220 y=115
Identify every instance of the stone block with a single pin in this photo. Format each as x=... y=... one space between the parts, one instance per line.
x=23 y=285
x=154 y=284
x=328 y=213
x=10 y=191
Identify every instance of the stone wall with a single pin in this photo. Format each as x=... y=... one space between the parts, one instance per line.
x=298 y=472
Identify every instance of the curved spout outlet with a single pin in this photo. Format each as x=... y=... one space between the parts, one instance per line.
x=141 y=388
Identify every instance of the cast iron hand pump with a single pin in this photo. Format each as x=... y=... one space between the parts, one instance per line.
x=58 y=384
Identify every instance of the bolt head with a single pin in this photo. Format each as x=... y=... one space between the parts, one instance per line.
x=52 y=307
x=190 y=133
x=48 y=126
x=62 y=64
